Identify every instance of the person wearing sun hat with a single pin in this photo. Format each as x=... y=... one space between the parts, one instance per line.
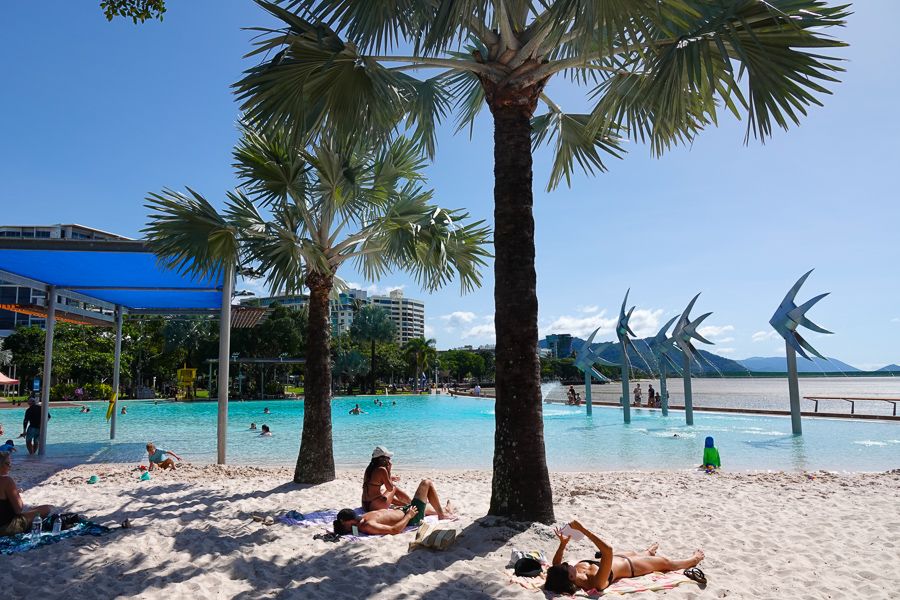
x=379 y=486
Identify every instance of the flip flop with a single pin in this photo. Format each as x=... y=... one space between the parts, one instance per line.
x=695 y=574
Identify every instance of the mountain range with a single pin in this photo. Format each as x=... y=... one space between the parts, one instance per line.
x=640 y=357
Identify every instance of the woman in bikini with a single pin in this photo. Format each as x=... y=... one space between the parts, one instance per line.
x=379 y=489
x=588 y=575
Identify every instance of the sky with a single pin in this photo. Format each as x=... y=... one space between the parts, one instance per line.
x=96 y=115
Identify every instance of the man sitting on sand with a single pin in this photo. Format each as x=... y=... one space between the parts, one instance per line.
x=158 y=457
x=391 y=521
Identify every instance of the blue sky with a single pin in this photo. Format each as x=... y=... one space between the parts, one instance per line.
x=98 y=114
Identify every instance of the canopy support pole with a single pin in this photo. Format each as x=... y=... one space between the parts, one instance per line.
x=117 y=363
x=224 y=355
x=48 y=368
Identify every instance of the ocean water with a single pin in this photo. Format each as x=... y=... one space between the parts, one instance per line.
x=767 y=393
x=434 y=431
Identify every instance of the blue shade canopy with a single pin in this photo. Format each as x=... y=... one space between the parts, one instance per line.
x=114 y=272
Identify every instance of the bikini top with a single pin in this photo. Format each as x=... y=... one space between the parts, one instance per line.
x=596 y=563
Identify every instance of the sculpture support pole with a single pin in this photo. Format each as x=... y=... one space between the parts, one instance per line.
x=626 y=404
x=794 y=390
x=688 y=398
x=587 y=390
x=664 y=394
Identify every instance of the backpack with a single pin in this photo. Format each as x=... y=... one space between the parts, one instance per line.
x=528 y=567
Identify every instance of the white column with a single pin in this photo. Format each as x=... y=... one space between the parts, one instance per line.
x=224 y=352
x=117 y=361
x=48 y=367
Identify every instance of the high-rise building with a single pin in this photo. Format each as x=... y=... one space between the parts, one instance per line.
x=17 y=294
x=407 y=314
x=560 y=345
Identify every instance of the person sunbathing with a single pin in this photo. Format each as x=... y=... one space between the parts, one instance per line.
x=14 y=519
x=158 y=457
x=565 y=578
x=391 y=521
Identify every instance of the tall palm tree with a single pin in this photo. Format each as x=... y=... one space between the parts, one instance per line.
x=420 y=353
x=372 y=324
x=654 y=70
x=299 y=215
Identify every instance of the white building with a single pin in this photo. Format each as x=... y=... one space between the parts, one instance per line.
x=407 y=314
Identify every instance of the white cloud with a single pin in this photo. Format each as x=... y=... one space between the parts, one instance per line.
x=589 y=309
x=722 y=350
x=485 y=332
x=895 y=320
x=254 y=285
x=458 y=318
x=714 y=331
x=644 y=323
x=429 y=331
x=727 y=340
x=762 y=336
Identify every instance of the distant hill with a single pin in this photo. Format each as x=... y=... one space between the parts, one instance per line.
x=891 y=367
x=640 y=357
x=778 y=364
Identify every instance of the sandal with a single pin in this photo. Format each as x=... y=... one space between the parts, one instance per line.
x=695 y=574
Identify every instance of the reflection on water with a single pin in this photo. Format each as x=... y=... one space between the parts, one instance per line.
x=438 y=431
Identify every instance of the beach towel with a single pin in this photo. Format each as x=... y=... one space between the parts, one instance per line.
x=22 y=542
x=325 y=518
x=653 y=582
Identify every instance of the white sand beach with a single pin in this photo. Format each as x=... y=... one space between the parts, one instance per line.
x=766 y=535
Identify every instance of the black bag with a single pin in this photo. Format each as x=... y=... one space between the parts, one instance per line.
x=528 y=567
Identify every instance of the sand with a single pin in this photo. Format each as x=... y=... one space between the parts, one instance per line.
x=766 y=535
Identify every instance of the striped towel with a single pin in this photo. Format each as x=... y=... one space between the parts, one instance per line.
x=653 y=582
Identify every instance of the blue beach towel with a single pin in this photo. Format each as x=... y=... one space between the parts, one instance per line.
x=22 y=542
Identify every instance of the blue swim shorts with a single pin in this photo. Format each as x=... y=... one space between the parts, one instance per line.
x=32 y=433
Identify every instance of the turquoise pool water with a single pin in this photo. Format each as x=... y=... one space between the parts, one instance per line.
x=443 y=432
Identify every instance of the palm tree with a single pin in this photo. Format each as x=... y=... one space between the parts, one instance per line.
x=372 y=324
x=299 y=215
x=6 y=356
x=655 y=70
x=420 y=353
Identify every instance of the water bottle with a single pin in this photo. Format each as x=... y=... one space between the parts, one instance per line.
x=57 y=524
x=36 y=528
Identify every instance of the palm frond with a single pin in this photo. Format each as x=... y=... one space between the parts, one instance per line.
x=189 y=235
x=270 y=166
x=374 y=25
x=318 y=83
x=674 y=93
x=574 y=142
x=435 y=245
x=428 y=106
x=469 y=93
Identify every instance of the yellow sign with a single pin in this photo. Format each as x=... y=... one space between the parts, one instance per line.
x=187 y=376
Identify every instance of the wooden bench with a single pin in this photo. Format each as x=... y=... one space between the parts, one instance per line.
x=852 y=400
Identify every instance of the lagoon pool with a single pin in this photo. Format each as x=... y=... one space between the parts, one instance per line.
x=457 y=433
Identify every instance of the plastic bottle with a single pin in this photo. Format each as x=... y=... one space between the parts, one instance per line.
x=57 y=524
x=36 y=528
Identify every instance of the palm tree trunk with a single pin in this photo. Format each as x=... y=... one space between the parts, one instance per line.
x=372 y=366
x=521 y=483
x=315 y=463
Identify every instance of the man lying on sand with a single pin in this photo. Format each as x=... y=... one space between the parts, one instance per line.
x=589 y=575
x=391 y=521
